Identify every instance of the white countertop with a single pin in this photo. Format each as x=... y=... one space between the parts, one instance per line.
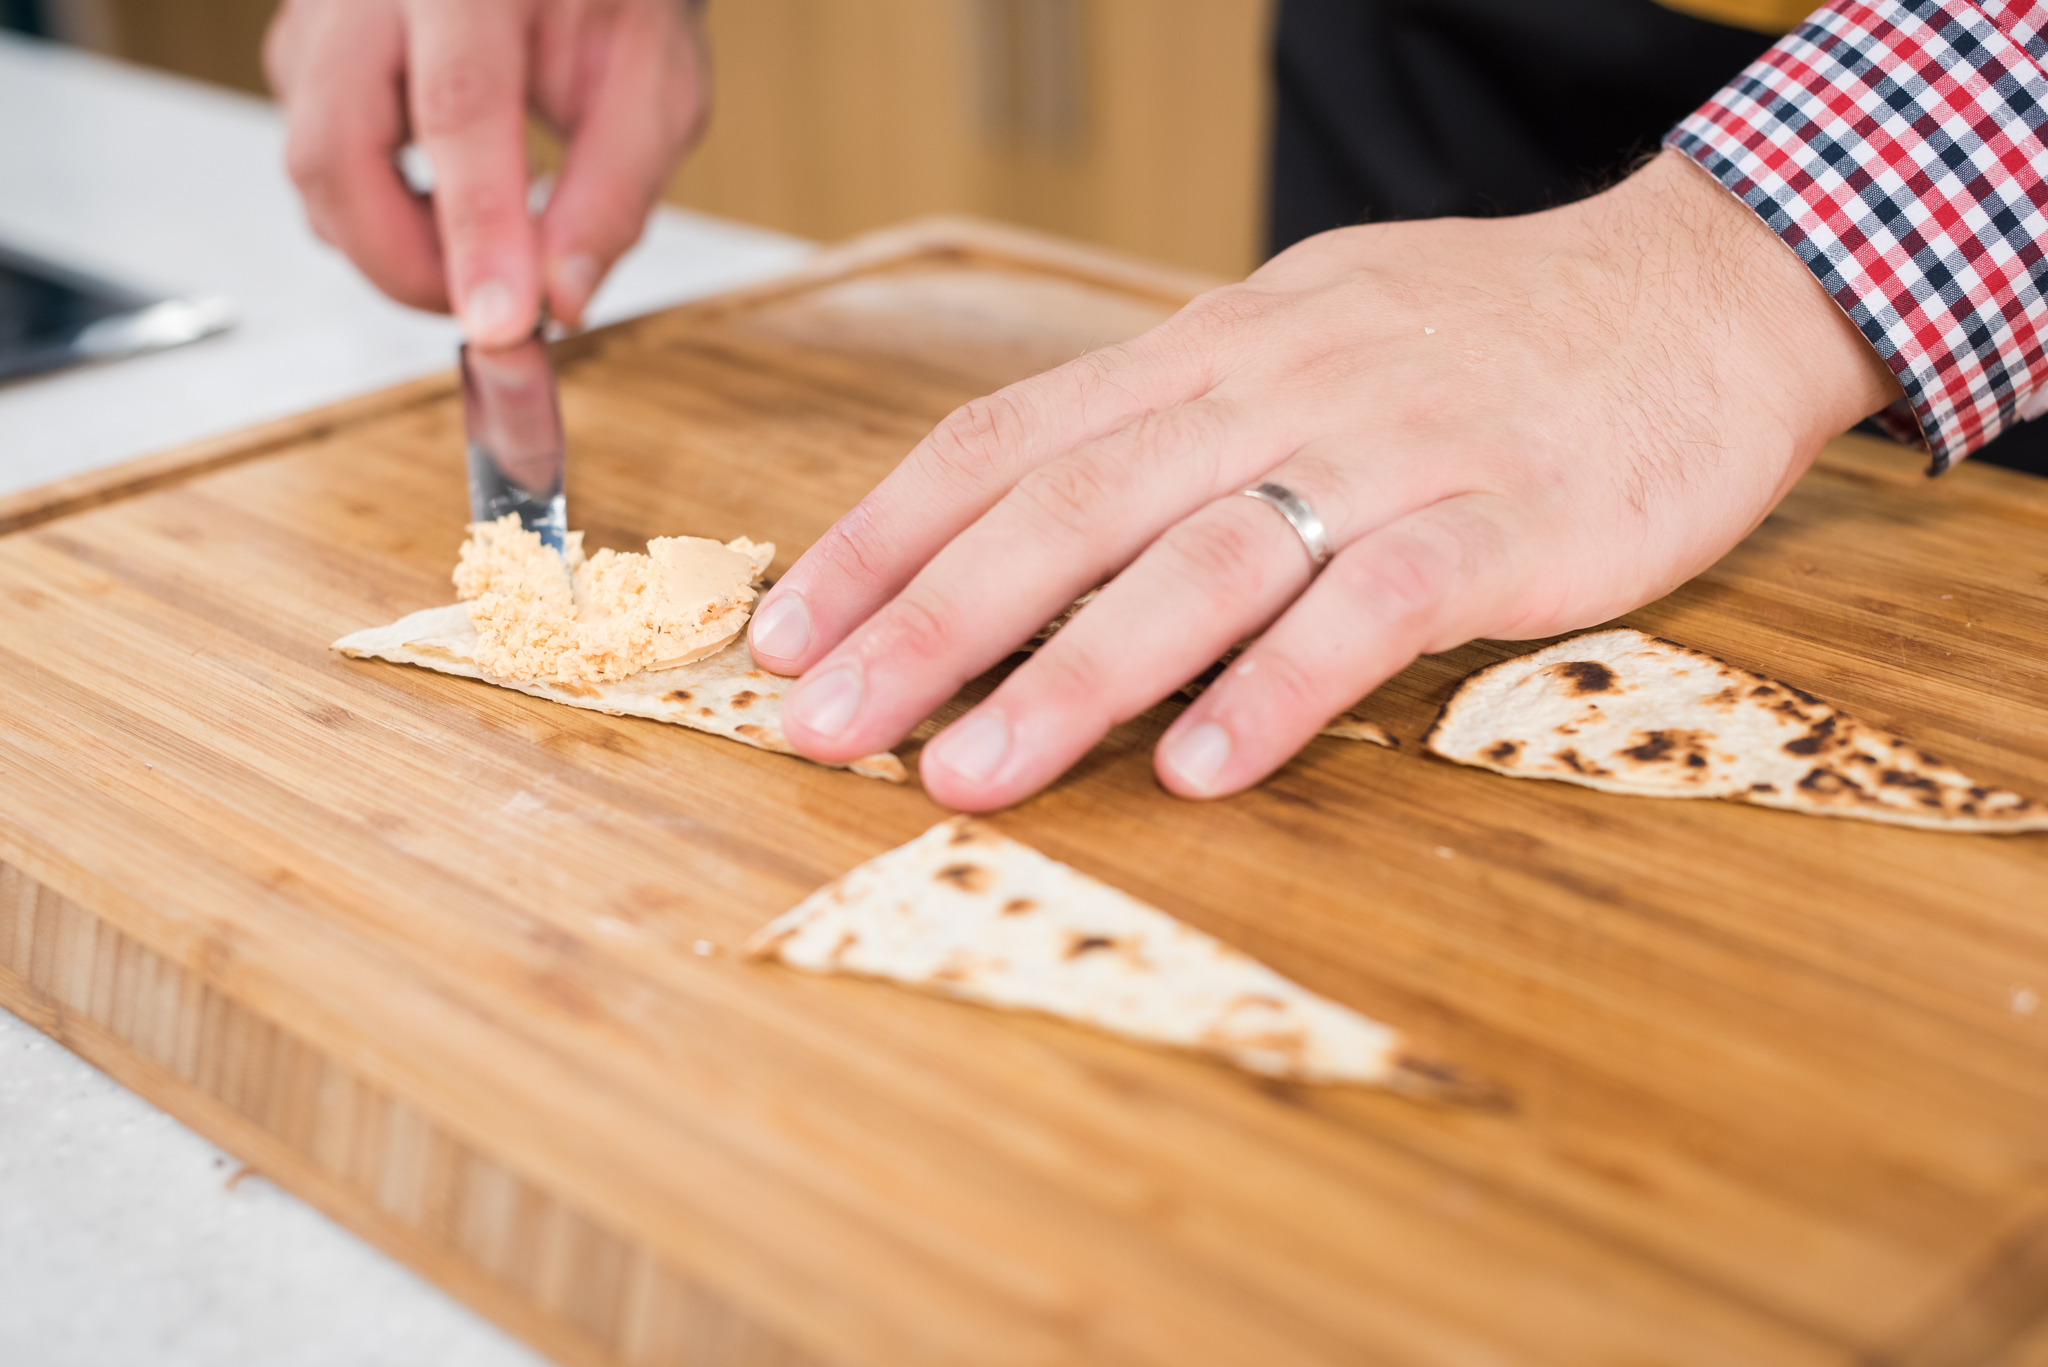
x=121 y=1241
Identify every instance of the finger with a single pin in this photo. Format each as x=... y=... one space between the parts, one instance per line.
x=1064 y=528
x=1209 y=582
x=467 y=80
x=1426 y=582
x=957 y=474
x=340 y=71
x=631 y=97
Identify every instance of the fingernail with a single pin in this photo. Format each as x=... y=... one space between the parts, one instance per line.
x=1199 y=755
x=782 y=630
x=825 y=705
x=488 y=315
x=973 y=747
x=575 y=279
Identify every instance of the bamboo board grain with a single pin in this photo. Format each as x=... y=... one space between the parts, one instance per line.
x=424 y=951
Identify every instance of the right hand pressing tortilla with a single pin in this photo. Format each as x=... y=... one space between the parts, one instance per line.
x=1510 y=428
x=622 y=80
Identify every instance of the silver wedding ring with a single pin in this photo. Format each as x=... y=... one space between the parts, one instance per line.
x=1299 y=516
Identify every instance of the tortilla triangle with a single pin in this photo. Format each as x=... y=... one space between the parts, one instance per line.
x=1630 y=713
x=967 y=912
x=726 y=693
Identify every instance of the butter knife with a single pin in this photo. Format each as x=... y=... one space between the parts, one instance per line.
x=516 y=454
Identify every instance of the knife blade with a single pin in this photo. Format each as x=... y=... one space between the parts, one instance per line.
x=517 y=457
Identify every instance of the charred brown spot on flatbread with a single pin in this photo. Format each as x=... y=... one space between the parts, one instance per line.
x=1832 y=783
x=1669 y=746
x=679 y=695
x=959 y=967
x=706 y=712
x=1929 y=792
x=1077 y=945
x=1505 y=752
x=1578 y=764
x=1763 y=787
x=1728 y=698
x=1587 y=676
x=1655 y=746
x=767 y=737
x=1819 y=737
x=967 y=877
x=1017 y=906
x=967 y=831
x=744 y=699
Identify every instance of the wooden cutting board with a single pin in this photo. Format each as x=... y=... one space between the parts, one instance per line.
x=429 y=953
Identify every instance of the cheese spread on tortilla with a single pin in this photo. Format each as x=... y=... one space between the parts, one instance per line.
x=595 y=619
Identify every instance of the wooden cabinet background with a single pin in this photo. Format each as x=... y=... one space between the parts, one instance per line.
x=1140 y=124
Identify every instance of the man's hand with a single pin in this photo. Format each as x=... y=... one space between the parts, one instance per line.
x=1510 y=428
x=621 y=80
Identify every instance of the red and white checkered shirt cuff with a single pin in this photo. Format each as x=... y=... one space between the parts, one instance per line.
x=1898 y=147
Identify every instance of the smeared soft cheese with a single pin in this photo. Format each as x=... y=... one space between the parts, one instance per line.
x=697 y=570
x=543 y=616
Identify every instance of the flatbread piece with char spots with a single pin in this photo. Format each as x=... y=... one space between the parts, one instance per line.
x=1625 y=712
x=726 y=693
x=967 y=912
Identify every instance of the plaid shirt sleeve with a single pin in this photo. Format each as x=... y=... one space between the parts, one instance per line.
x=1898 y=146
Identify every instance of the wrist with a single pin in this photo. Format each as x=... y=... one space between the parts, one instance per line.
x=1759 y=325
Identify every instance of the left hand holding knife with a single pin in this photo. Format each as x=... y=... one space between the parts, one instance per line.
x=623 y=81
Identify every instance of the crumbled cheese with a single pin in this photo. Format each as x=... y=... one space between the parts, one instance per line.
x=503 y=557
x=543 y=616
